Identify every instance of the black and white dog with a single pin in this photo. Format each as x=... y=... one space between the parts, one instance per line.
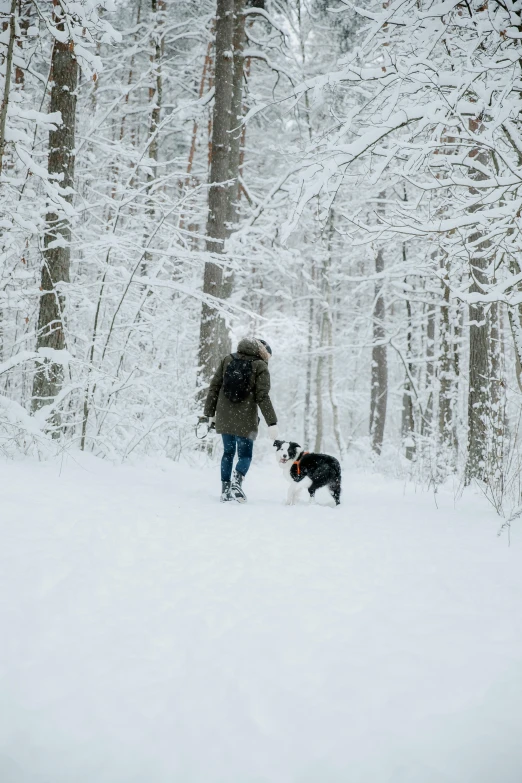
x=312 y=471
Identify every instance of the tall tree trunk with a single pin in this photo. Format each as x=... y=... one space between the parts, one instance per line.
x=329 y=325
x=307 y=432
x=478 y=395
x=408 y=422
x=460 y=380
x=515 y=324
x=479 y=342
x=427 y=420
x=156 y=87
x=333 y=401
x=3 y=117
x=379 y=392
x=57 y=250
x=234 y=157
x=319 y=432
x=236 y=114
x=497 y=387
x=7 y=80
x=210 y=328
x=379 y=376
x=308 y=375
x=446 y=380
x=155 y=100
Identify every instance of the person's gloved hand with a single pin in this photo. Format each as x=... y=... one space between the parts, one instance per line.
x=212 y=423
x=273 y=432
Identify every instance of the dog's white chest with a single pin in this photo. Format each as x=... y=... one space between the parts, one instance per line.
x=286 y=468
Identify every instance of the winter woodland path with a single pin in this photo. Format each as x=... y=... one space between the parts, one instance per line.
x=152 y=635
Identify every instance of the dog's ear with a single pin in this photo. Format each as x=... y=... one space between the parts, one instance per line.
x=278 y=443
x=293 y=449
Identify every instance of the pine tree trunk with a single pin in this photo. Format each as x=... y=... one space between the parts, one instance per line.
x=333 y=400
x=234 y=158
x=427 y=421
x=446 y=380
x=57 y=251
x=329 y=325
x=515 y=324
x=497 y=392
x=479 y=344
x=319 y=432
x=408 y=422
x=156 y=89
x=478 y=395
x=218 y=197
x=236 y=114
x=155 y=99
x=308 y=376
x=3 y=117
x=379 y=391
x=7 y=80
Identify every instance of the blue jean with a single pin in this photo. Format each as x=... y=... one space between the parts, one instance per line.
x=245 y=447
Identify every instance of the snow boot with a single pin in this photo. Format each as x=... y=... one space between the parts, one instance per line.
x=225 y=492
x=236 y=490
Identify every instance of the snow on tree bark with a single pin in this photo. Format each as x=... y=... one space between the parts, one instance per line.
x=218 y=194
x=236 y=133
x=7 y=79
x=57 y=240
x=479 y=391
x=379 y=374
x=379 y=368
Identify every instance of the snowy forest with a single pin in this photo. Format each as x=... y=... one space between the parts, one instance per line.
x=336 y=186
x=343 y=181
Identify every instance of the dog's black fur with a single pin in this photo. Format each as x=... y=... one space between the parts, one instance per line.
x=322 y=469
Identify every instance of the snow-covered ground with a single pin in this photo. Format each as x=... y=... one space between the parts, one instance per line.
x=150 y=634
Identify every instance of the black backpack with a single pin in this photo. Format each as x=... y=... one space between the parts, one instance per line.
x=237 y=380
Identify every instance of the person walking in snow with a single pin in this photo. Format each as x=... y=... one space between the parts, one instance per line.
x=241 y=384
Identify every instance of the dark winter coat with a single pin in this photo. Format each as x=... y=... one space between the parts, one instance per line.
x=240 y=418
